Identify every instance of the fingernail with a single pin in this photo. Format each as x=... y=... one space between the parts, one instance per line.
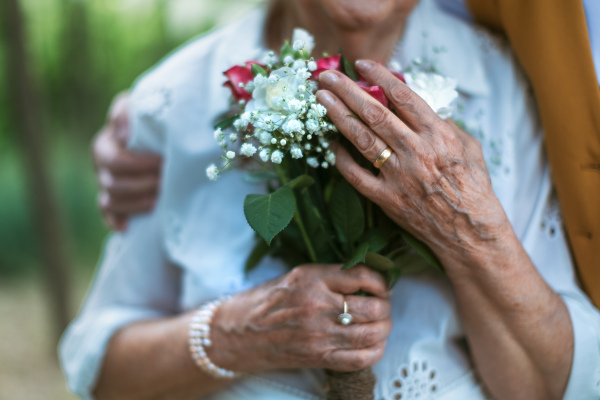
x=328 y=78
x=364 y=65
x=324 y=98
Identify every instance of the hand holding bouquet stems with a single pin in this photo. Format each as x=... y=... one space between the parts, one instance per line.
x=311 y=214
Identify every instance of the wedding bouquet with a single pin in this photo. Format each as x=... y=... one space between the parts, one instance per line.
x=310 y=214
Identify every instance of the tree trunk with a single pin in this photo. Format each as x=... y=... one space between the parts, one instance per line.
x=27 y=117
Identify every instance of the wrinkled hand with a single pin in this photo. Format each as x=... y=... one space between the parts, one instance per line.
x=129 y=182
x=291 y=322
x=435 y=184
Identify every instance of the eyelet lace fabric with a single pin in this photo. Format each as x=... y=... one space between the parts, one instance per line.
x=552 y=219
x=417 y=380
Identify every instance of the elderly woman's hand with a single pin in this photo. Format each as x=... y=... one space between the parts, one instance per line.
x=291 y=322
x=128 y=181
x=435 y=184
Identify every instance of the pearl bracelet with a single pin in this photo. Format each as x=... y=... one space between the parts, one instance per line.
x=199 y=339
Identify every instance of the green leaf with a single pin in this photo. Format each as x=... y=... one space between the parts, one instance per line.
x=378 y=262
x=376 y=240
x=392 y=277
x=346 y=213
x=226 y=123
x=348 y=69
x=257 y=69
x=269 y=214
x=422 y=249
x=411 y=263
x=357 y=257
x=260 y=176
x=261 y=249
x=286 y=50
x=301 y=182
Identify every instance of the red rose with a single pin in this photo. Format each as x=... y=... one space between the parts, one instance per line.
x=399 y=76
x=327 y=63
x=236 y=75
x=375 y=91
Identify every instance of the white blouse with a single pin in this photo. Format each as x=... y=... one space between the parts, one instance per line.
x=193 y=246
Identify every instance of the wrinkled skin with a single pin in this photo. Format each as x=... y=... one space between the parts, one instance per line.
x=288 y=322
x=435 y=183
x=291 y=322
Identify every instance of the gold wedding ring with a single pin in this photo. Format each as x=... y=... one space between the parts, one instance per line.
x=383 y=157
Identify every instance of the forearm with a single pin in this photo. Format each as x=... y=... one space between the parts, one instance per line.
x=151 y=360
x=519 y=330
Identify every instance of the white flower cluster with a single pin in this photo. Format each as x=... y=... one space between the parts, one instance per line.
x=438 y=91
x=283 y=117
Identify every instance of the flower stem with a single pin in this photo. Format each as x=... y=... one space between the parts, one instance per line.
x=309 y=246
x=298 y=220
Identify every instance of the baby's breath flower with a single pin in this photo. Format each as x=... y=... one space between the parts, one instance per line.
x=264 y=154
x=312 y=125
x=324 y=165
x=288 y=60
x=298 y=45
x=330 y=157
x=313 y=162
x=319 y=110
x=233 y=137
x=298 y=64
x=248 y=149
x=230 y=154
x=260 y=81
x=212 y=172
x=218 y=134
x=273 y=141
x=312 y=66
x=264 y=137
x=277 y=157
x=296 y=152
x=283 y=142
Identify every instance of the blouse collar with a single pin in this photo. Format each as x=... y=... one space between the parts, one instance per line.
x=447 y=43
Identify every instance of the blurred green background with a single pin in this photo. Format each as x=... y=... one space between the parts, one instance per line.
x=79 y=53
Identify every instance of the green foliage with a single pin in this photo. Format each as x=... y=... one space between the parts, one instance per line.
x=378 y=262
x=82 y=53
x=257 y=69
x=357 y=257
x=269 y=214
x=422 y=249
x=346 y=213
x=348 y=69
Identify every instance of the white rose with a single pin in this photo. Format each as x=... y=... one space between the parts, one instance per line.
x=438 y=92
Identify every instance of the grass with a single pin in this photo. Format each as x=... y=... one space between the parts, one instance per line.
x=29 y=368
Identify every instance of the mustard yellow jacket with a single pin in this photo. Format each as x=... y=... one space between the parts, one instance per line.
x=551 y=41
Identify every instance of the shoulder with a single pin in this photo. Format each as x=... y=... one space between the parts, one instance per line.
x=189 y=76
